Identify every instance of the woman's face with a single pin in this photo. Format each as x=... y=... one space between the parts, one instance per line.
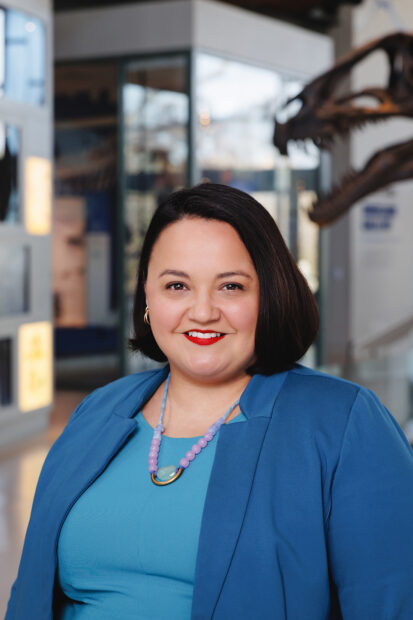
x=203 y=295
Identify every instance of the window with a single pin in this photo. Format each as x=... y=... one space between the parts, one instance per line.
x=22 y=57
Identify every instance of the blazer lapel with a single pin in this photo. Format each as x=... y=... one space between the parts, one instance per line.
x=238 y=449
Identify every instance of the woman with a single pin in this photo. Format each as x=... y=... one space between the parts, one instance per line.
x=233 y=482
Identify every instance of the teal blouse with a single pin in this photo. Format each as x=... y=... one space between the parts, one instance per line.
x=127 y=548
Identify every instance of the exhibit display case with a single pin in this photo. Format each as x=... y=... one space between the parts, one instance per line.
x=192 y=103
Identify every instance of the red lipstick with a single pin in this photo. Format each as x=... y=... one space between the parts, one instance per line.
x=206 y=339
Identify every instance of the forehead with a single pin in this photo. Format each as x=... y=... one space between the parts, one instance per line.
x=199 y=240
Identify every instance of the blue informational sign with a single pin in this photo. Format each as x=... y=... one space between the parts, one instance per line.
x=378 y=217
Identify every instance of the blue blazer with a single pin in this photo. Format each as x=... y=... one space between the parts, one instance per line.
x=308 y=514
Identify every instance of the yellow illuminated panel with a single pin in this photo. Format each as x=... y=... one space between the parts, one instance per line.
x=35 y=365
x=38 y=195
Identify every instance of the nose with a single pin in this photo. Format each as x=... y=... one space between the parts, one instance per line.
x=203 y=309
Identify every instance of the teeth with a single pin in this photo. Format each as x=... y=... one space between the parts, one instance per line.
x=201 y=335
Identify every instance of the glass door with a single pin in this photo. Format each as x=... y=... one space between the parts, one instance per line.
x=236 y=104
x=155 y=110
x=85 y=234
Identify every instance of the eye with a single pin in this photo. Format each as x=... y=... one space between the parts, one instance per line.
x=233 y=286
x=175 y=286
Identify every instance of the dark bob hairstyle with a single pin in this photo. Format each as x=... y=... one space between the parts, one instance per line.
x=288 y=316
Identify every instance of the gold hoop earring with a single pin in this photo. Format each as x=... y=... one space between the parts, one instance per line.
x=146 y=316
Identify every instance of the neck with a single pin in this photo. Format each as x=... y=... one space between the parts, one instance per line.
x=190 y=403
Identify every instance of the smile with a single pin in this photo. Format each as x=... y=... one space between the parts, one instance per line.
x=203 y=338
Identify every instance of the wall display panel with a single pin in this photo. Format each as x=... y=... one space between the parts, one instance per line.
x=35 y=346
x=22 y=57
x=38 y=195
x=14 y=279
x=5 y=372
x=9 y=166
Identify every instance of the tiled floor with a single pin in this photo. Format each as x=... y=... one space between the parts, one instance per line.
x=19 y=471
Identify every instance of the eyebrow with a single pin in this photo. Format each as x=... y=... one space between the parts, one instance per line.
x=182 y=274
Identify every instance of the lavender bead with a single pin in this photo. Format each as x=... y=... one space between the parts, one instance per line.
x=168 y=471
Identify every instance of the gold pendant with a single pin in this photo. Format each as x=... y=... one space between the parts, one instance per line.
x=162 y=483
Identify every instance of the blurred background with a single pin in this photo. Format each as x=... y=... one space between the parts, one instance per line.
x=106 y=108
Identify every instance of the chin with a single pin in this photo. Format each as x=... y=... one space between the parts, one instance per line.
x=208 y=371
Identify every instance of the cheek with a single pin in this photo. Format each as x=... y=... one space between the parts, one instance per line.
x=244 y=315
x=164 y=315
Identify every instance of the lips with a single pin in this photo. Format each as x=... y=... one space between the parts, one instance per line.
x=202 y=337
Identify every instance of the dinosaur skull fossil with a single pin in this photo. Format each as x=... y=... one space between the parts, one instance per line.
x=325 y=115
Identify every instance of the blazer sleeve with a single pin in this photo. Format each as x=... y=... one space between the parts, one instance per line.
x=12 y=612
x=370 y=525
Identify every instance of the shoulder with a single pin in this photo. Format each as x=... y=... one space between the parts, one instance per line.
x=328 y=386
x=322 y=380
x=340 y=404
x=304 y=391
x=319 y=387
x=132 y=388
x=324 y=399
x=345 y=421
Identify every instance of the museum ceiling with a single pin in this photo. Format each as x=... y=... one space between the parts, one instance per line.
x=318 y=14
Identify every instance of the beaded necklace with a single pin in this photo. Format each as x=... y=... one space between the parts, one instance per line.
x=170 y=473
